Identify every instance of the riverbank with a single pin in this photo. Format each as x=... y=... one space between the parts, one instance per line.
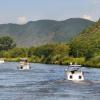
x=90 y=63
x=61 y=54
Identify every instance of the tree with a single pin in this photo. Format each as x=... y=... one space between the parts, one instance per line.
x=31 y=51
x=18 y=52
x=6 y=43
x=44 y=50
x=61 y=49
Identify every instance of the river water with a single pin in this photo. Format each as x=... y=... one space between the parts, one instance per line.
x=46 y=82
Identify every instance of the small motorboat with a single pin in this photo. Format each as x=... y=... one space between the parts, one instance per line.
x=74 y=73
x=24 y=64
x=2 y=60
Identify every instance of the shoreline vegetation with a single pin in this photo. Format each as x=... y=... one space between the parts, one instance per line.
x=61 y=54
x=80 y=61
x=83 y=49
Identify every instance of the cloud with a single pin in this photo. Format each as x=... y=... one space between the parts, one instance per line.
x=87 y=17
x=22 y=20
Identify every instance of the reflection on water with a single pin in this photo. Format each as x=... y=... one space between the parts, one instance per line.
x=46 y=82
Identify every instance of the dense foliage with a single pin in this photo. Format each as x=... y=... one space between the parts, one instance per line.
x=87 y=45
x=6 y=43
x=50 y=53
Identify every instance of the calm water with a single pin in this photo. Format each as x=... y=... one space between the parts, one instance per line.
x=46 y=82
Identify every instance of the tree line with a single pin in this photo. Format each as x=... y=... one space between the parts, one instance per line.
x=49 y=53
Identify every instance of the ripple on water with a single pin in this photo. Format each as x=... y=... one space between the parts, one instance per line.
x=46 y=82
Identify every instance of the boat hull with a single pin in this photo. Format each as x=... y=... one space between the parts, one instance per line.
x=24 y=67
x=1 y=62
x=75 y=76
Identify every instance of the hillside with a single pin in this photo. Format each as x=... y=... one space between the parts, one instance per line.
x=90 y=36
x=88 y=42
x=44 y=31
x=87 y=45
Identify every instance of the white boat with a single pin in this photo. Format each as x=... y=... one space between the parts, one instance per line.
x=2 y=60
x=74 y=73
x=24 y=64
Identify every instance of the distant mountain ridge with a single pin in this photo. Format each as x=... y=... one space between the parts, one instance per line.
x=44 y=31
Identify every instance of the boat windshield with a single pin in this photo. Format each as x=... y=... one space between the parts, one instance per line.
x=74 y=67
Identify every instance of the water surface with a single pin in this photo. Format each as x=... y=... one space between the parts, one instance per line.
x=46 y=82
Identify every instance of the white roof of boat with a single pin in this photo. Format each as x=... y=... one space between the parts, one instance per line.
x=75 y=65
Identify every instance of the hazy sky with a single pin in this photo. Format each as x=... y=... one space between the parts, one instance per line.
x=21 y=11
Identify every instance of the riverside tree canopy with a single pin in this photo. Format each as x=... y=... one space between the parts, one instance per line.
x=6 y=43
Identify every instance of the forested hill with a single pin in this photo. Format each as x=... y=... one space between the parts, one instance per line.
x=87 y=44
x=44 y=31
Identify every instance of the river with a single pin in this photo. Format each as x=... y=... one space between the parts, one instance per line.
x=46 y=82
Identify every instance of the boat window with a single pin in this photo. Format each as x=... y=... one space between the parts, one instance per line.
x=72 y=72
x=71 y=77
x=21 y=67
x=80 y=77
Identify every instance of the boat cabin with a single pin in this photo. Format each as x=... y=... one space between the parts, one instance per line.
x=24 y=64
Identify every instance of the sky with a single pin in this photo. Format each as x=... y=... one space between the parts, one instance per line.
x=22 y=11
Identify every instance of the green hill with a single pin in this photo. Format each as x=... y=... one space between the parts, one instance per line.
x=90 y=37
x=44 y=31
x=87 y=45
